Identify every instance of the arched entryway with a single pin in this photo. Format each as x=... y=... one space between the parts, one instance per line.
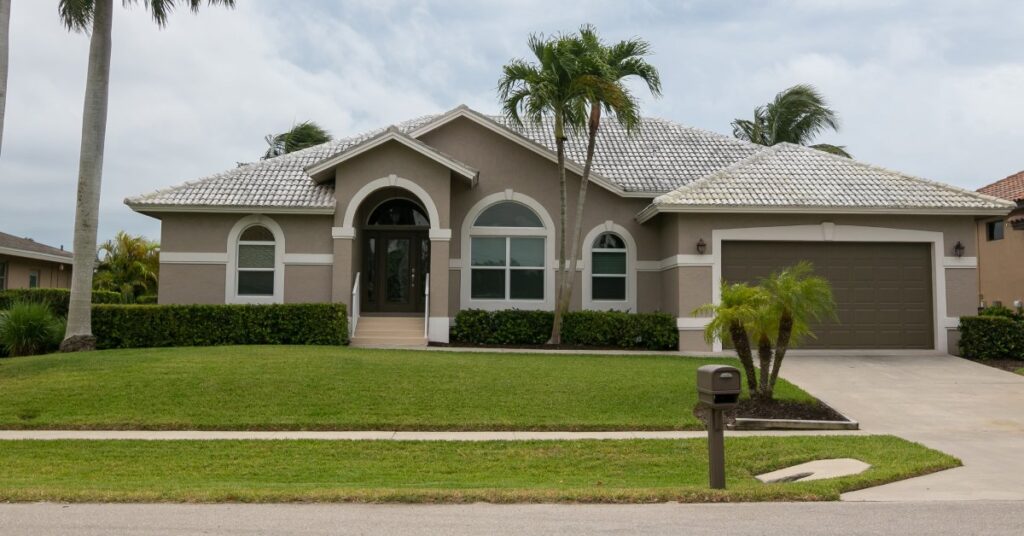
x=395 y=246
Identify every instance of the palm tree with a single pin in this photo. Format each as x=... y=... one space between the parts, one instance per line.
x=607 y=67
x=797 y=115
x=96 y=16
x=733 y=319
x=5 y=37
x=129 y=265
x=531 y=91
x=301 y=136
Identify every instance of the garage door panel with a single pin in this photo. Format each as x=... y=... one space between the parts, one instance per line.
x=883 y=290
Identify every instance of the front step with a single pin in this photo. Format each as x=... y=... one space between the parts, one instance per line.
x=389 y=331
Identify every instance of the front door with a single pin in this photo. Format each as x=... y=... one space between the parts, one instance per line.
x=395 y=264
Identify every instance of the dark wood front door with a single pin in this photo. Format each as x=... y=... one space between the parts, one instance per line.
x=395 y=266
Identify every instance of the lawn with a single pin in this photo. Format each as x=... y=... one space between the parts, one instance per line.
x=332 y=388
x=431 y=471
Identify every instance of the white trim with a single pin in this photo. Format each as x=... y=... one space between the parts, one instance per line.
x=842 y=233
x=440 y=235
x=14 y=252
x=960 y=262
x=454 y=264
x=548 y=233
x=951 y=322
x=391 y=181
x=309 y=259
x=685 y=323
x=589 y=303
x=231 y=276
x=216 y=209
x=648 y=266
x=391 y=134
x=675 y=261
x=438 y=328
x=192 y=257
x=343 y=232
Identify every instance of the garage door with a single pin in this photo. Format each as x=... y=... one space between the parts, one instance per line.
x=883 y=290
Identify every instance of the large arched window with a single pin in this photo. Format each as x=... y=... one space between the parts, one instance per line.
x=398 y=212
x=507 y=254
x=256 y=262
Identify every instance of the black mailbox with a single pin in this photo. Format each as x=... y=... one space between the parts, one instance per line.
x=718 y=386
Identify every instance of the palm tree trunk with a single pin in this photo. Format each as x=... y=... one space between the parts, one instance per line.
x=785 y=332
x=5 y=37
x=741 y=343
x=90 y=169
x=560 y=308
x=577 y=234
x=764 y=354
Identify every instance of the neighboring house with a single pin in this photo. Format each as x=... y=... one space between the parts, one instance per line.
x=674 y=211
x=25 y=263
x=1001 y=246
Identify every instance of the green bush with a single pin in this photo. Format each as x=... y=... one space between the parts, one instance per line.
x=28 y=328
x=148 y=299
x=144 y=326
x=57 y=299
x=1001 y=310
x=652 y=331
x=991 y=337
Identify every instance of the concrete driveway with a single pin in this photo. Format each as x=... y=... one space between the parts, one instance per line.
x=971 y=411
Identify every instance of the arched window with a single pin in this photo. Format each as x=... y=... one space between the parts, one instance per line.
x=507 y=254
x=608 y=268
x=256 y=262
x=398 y=212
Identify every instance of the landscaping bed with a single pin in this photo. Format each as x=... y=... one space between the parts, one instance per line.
x=1007 y=364
x=613 y=471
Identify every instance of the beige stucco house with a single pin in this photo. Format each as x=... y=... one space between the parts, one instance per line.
x=25 y=263
x=1001 y=246
x=460 y=210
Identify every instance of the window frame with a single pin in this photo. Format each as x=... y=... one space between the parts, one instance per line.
x=628 y=304
x=232 y=270
x=3 y=275
x=239 y=244
x=990 y=230
x=34 y=274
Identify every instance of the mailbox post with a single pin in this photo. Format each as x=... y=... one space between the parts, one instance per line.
x=718 y=388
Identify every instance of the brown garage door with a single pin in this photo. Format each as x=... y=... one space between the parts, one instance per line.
x=883 y=290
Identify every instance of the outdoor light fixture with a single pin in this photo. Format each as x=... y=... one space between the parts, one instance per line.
x=701 y=246
x=958 y=249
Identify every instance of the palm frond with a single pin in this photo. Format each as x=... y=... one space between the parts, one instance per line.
x=832 y=149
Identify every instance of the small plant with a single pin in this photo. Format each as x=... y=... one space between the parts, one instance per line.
x=29 y=329
x=1003 y=311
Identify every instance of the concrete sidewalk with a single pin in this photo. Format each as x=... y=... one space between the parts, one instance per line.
x=7 y=435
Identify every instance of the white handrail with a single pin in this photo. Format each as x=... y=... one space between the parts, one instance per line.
x=426 y=307
x=355 y=307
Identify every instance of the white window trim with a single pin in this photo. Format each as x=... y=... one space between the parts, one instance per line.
x=589 y=303
x=547 y=233
x=829 y=232
x=231 y=279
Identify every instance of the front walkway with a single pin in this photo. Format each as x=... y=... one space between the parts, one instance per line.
x=971 y=411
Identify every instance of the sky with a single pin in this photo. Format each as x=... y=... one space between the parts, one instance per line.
x=932 y=88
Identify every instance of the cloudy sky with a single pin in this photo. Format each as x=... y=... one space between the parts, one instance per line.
x=932 y=88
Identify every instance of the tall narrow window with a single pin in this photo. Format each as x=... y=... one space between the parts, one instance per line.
x=507 y=254
x=608 y=268
x=3 y=275
x=256 y=258
x=33 y=279
x=994 y=230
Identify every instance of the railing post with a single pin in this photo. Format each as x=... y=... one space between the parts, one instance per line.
x=355 y=307
x=426 y=308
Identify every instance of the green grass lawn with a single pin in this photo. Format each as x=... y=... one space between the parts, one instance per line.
x=431 y=471
x=332 y=388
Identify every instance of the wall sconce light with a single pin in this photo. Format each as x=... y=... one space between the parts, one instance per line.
x=958 y=249
x=701 y=246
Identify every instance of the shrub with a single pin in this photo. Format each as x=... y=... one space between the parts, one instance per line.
x=57 y=299
x=148 y=299
x=1001 y=310
x=28 y=328
x=653 y=331
x=144 y=326
x=991 y=337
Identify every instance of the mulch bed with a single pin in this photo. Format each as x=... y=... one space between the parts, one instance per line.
x=1011 y=365
x=776 y=409
x=538 y=347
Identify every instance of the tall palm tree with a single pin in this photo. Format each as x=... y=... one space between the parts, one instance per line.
x=607 y=67
x=96 y=16
x=129 y=265
x=5 y=38
x=549 y=87
x=301 y=136
x=796 y=115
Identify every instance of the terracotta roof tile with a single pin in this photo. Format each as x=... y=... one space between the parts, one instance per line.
x=1010 y=188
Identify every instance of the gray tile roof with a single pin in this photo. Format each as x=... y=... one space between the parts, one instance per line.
x=27 y=244
x=659 y=157
x=793 y=176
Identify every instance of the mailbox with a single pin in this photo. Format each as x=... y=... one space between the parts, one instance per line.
x=718 y=386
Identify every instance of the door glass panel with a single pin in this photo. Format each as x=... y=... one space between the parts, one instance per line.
x=488 y=284
x=250 y=256
x=255 y=283
x=609 y=263
x=609 y=288
x=526 y=284
x=370 y=277
x=397 y=270
x=527 y=251
x=488 y=251
x=424 y=267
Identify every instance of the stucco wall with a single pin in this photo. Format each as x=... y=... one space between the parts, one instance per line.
x=1001 y=265
x=51 y=274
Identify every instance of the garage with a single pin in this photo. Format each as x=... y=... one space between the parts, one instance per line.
x=883 y=290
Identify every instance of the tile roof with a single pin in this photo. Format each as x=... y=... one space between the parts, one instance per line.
x=9 y=241
x=1010 y=188
x=791 y=176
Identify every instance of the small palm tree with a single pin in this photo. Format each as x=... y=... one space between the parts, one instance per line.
x=796 y=115
x=96 y=17
x=129 y=265
x=734 y=318
x=301 y=136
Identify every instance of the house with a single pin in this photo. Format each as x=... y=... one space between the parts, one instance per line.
x=459 y=210
x=1001 y=246
x=25 y=263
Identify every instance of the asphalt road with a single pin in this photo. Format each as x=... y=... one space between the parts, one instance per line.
x=932 y=518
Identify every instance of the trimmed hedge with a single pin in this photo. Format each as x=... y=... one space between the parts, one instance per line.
x=991 y=337
x=57 y=299
x=651 y=331
x=145 y=326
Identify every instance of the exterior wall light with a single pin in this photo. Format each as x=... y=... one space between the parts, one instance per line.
x=958 y=249
x=701 y=246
